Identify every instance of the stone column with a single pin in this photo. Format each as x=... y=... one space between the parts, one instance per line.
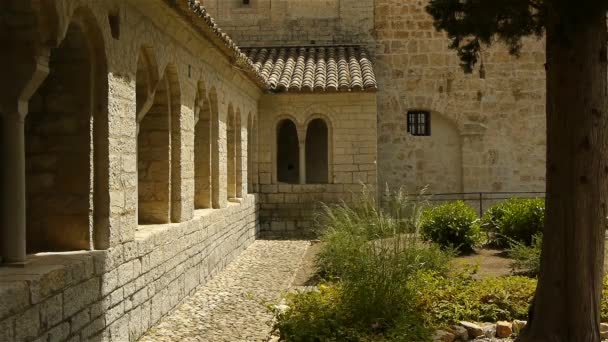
x=302 y=162
x=12 y=238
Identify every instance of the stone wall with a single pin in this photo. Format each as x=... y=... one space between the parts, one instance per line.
x=276 y=22
x=287 y=209
x=141 y=269
x=118 y=294
x=488 y=133
x=494 y=124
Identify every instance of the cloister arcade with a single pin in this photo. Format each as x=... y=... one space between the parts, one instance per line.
x=56 y=148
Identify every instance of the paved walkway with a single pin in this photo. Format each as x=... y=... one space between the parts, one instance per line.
x=232 y=306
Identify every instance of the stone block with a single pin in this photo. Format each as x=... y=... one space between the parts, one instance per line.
x=14 y=296
x=78 y=297
x=27 y=324
x=6 y=330
x=51 y=312
x=79 y=320
x=58 y=333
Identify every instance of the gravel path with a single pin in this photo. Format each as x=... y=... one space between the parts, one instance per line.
x=232 y=306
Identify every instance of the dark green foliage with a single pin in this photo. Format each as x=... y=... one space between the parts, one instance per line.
x=517 y=219
x=473 y=23
x=451 y=225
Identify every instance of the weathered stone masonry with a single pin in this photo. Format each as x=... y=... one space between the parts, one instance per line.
x=100 y=106
x=142 y=149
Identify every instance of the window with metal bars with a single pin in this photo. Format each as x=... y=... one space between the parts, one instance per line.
x=419 y=123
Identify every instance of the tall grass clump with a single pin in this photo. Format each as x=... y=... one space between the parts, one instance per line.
x=370 y=250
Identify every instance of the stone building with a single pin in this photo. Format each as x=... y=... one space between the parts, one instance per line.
x=143 y=147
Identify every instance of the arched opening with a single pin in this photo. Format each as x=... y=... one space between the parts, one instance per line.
x=238 y=147
x=231 y=153
x=288 y=152
x=317 y=152
x=153 y=145
x=202 y=152
x=66 y=133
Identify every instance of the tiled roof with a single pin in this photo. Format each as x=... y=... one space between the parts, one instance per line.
x=301 y=69
x=330 y=68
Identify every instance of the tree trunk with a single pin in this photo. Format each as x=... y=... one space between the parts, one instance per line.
x=566 y=306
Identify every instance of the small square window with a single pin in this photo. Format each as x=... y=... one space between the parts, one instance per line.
x=419 y=123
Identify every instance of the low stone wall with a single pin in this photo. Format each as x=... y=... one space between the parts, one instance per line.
x=118 y=294
x=288 y=210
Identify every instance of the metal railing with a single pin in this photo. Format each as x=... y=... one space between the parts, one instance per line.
x=481 y=200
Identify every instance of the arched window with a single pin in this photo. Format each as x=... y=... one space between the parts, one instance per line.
x=153 y=146
x=317 y=153
x=288 y=152
x=64 y=161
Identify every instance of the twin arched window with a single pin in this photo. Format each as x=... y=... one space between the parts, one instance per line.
x=307 y=162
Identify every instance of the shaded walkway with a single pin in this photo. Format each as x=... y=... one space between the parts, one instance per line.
x=232 y=306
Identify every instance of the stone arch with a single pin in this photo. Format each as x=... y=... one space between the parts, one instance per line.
x=231 y=152
x=153 y=144
x=215 y=148
x=202 y=150
x=317 y=151
x=147 y=80
x=439 y=159
x=287 y=152
x=314 y=111
x=66 y=132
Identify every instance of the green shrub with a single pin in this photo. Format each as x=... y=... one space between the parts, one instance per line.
x=370 y=250
x=452 y=225
x=526 y=259
x=447 y=300
x=516 y=219
x=323 y=316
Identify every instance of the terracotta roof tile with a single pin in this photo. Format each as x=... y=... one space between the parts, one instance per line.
x=325 y=68
x=280 y=69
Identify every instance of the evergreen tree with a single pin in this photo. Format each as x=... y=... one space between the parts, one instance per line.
x=566 y=306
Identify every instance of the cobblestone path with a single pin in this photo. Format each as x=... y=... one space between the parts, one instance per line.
x=231 y=306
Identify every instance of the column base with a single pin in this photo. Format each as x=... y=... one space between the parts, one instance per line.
x=17 y=264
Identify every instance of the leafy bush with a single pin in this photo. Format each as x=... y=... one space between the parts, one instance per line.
x=516 y=219
x=452 y=225
x=447 y=300
x=526 y=259
x=323 y=316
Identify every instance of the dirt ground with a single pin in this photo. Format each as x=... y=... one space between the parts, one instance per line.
x=490 y=263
